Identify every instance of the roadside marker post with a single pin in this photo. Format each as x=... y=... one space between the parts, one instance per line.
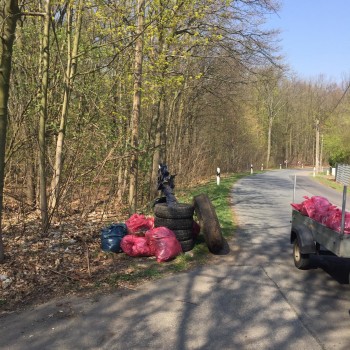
x=218 y=176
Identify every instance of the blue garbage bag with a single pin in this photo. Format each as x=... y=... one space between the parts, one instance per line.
x=111 y=237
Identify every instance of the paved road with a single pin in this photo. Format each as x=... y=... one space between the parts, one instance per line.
x=251 y=298
x=320 y=297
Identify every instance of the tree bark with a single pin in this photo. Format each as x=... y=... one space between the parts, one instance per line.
x=317 y=147
x=43 y=118
x=269 y=133
x=135 y=119
x=68 y=81
x=9 y=14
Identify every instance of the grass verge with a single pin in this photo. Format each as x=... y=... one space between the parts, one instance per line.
x=329 y=182
x=220 y=198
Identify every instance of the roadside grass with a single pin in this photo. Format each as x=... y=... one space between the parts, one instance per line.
x=220 y=198
x=328 y=181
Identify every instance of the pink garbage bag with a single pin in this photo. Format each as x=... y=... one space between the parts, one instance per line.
x=138 y=224
x=308 y=207
x=315 y=207
x=163 y=243
x=135 y=246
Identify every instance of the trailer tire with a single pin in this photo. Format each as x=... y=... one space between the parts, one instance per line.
x=301 y=261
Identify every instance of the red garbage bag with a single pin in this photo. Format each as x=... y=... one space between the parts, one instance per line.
x=322 y=212
x=315 y=207
x=135 y=246
x=163 y=243
x=320 y=209
x=333 y=220
x=308 y=207
x=138 y=224
x=296 y=206
x=320 y=202
x=347 y=223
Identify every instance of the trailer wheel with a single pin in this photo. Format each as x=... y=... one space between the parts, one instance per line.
x=301 y=261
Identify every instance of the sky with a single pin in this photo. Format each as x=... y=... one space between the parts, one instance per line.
x=315 y=37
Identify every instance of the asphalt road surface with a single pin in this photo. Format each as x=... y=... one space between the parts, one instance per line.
x=251 y=298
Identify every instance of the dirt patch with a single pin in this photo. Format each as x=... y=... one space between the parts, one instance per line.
x=68 y=261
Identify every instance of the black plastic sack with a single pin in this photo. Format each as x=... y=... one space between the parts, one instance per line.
x=111 y=237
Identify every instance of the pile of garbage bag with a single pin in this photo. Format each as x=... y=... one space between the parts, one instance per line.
x=324 y=212
x=139 y=237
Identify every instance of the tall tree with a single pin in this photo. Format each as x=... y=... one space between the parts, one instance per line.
x=45 y=50
x=71 y=69
x=9 y=14
x=136 y=111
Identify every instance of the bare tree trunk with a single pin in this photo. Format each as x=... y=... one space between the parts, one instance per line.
x=157 y=145
x=136 y=106
x=30 y=176
x=9 y=13
x=68 y=81
x=269 y=132
x=317 y=148
x=321 y=154
x=156 y=159
x=43 y=118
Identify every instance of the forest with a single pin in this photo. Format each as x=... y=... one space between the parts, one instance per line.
x=95 y=94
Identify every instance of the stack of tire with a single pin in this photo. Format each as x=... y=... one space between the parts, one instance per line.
x=179 y=219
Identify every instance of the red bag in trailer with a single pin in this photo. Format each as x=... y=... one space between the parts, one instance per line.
x=307 y=207
x=321 y=210
x=333 y=220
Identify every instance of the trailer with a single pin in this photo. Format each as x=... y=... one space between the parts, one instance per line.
x=308 y=235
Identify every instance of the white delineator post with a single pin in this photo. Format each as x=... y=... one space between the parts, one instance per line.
x=218 y=176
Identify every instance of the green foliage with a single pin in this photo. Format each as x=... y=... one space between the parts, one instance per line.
x=337 y=140
x=339 y=157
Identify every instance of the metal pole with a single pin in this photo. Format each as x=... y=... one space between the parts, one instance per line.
x=343 y=210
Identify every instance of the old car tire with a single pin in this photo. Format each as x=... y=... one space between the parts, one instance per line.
x=183 y=235
x=187 y=245
x=301 y=261
x=174 y=224
x=208 y=222
x=178 y=211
